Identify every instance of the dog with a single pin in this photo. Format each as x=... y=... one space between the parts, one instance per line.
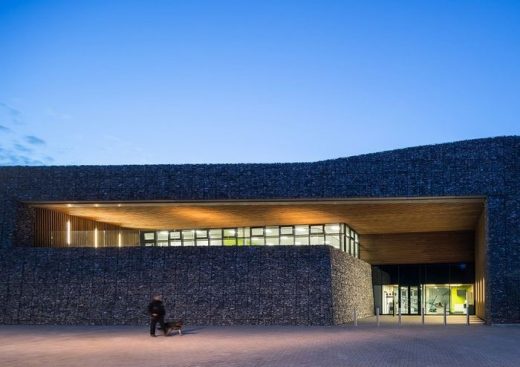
x=174 y=325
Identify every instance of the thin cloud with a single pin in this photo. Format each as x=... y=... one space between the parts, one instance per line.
x=16 y=148
x=22 y=148
x=12 y=157
x=13 y=113
x=34 y=140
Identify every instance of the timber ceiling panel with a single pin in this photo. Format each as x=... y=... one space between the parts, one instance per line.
x=365 y=216
x=415 y=248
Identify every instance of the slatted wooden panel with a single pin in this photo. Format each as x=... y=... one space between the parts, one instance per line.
x=51 y=231
x=418 y=248
x=480 y=267
x=392 y=216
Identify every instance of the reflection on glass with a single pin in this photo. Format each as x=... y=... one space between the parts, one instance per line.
x=436 y=298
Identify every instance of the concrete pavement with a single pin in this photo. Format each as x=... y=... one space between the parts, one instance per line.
x=365 y=345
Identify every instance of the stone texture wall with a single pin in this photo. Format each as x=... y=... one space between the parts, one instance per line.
x=351 y=285
x=484 y=167
x=201 y=285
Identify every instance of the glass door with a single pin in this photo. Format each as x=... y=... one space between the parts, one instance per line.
x=404 y=300
x=414 y=300
x=390 y=299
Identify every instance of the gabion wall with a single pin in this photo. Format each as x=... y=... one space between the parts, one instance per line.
x=201 y=285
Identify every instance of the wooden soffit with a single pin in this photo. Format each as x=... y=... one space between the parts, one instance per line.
x=366 y=216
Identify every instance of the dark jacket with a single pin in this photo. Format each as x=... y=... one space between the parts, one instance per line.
x=156 y=307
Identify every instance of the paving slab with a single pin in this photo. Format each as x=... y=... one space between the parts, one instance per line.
x=364 y=345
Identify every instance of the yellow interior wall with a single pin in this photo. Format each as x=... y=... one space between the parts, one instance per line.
x=455 y=299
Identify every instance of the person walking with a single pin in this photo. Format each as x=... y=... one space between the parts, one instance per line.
x=157 y=312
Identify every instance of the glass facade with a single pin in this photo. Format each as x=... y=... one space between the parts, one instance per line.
x=337 y=235
x=434 y=287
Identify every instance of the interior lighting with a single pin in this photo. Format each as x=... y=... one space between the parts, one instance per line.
x=68 y=232
x=95 y=237
x=119 y=242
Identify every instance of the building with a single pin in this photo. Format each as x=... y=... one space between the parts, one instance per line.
x=428 y=229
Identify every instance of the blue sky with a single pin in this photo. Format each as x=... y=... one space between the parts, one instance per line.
x=119 y=82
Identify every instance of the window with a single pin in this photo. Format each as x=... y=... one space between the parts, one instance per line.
x=337 y=235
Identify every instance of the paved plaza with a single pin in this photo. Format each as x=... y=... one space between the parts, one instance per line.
x=364 y=345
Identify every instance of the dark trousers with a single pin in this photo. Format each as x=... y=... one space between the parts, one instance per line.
x=153 y=323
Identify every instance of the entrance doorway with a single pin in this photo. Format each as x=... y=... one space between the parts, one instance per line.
x=435 y=298
x=405 y=298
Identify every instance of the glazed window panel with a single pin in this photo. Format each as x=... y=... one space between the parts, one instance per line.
x=230 y=232
x=317 y=229
x=257 y=231
x=337 y=235
x=272 y=231
x=301 y=230
x=287 y=240
x=188 y=234
x=332 y=228
x=202 y=242
x=257 y=241
x=215 y=233
x=333 y=240
x=201 y=233
x=162 y=236
x=301 y=240
x=317 y=239
x=286 y=230
x=216 y=242
x=272 y=241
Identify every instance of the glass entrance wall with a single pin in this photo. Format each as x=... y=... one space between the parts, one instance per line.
x=434 y=287
x=337 y=235
x=455 y=298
